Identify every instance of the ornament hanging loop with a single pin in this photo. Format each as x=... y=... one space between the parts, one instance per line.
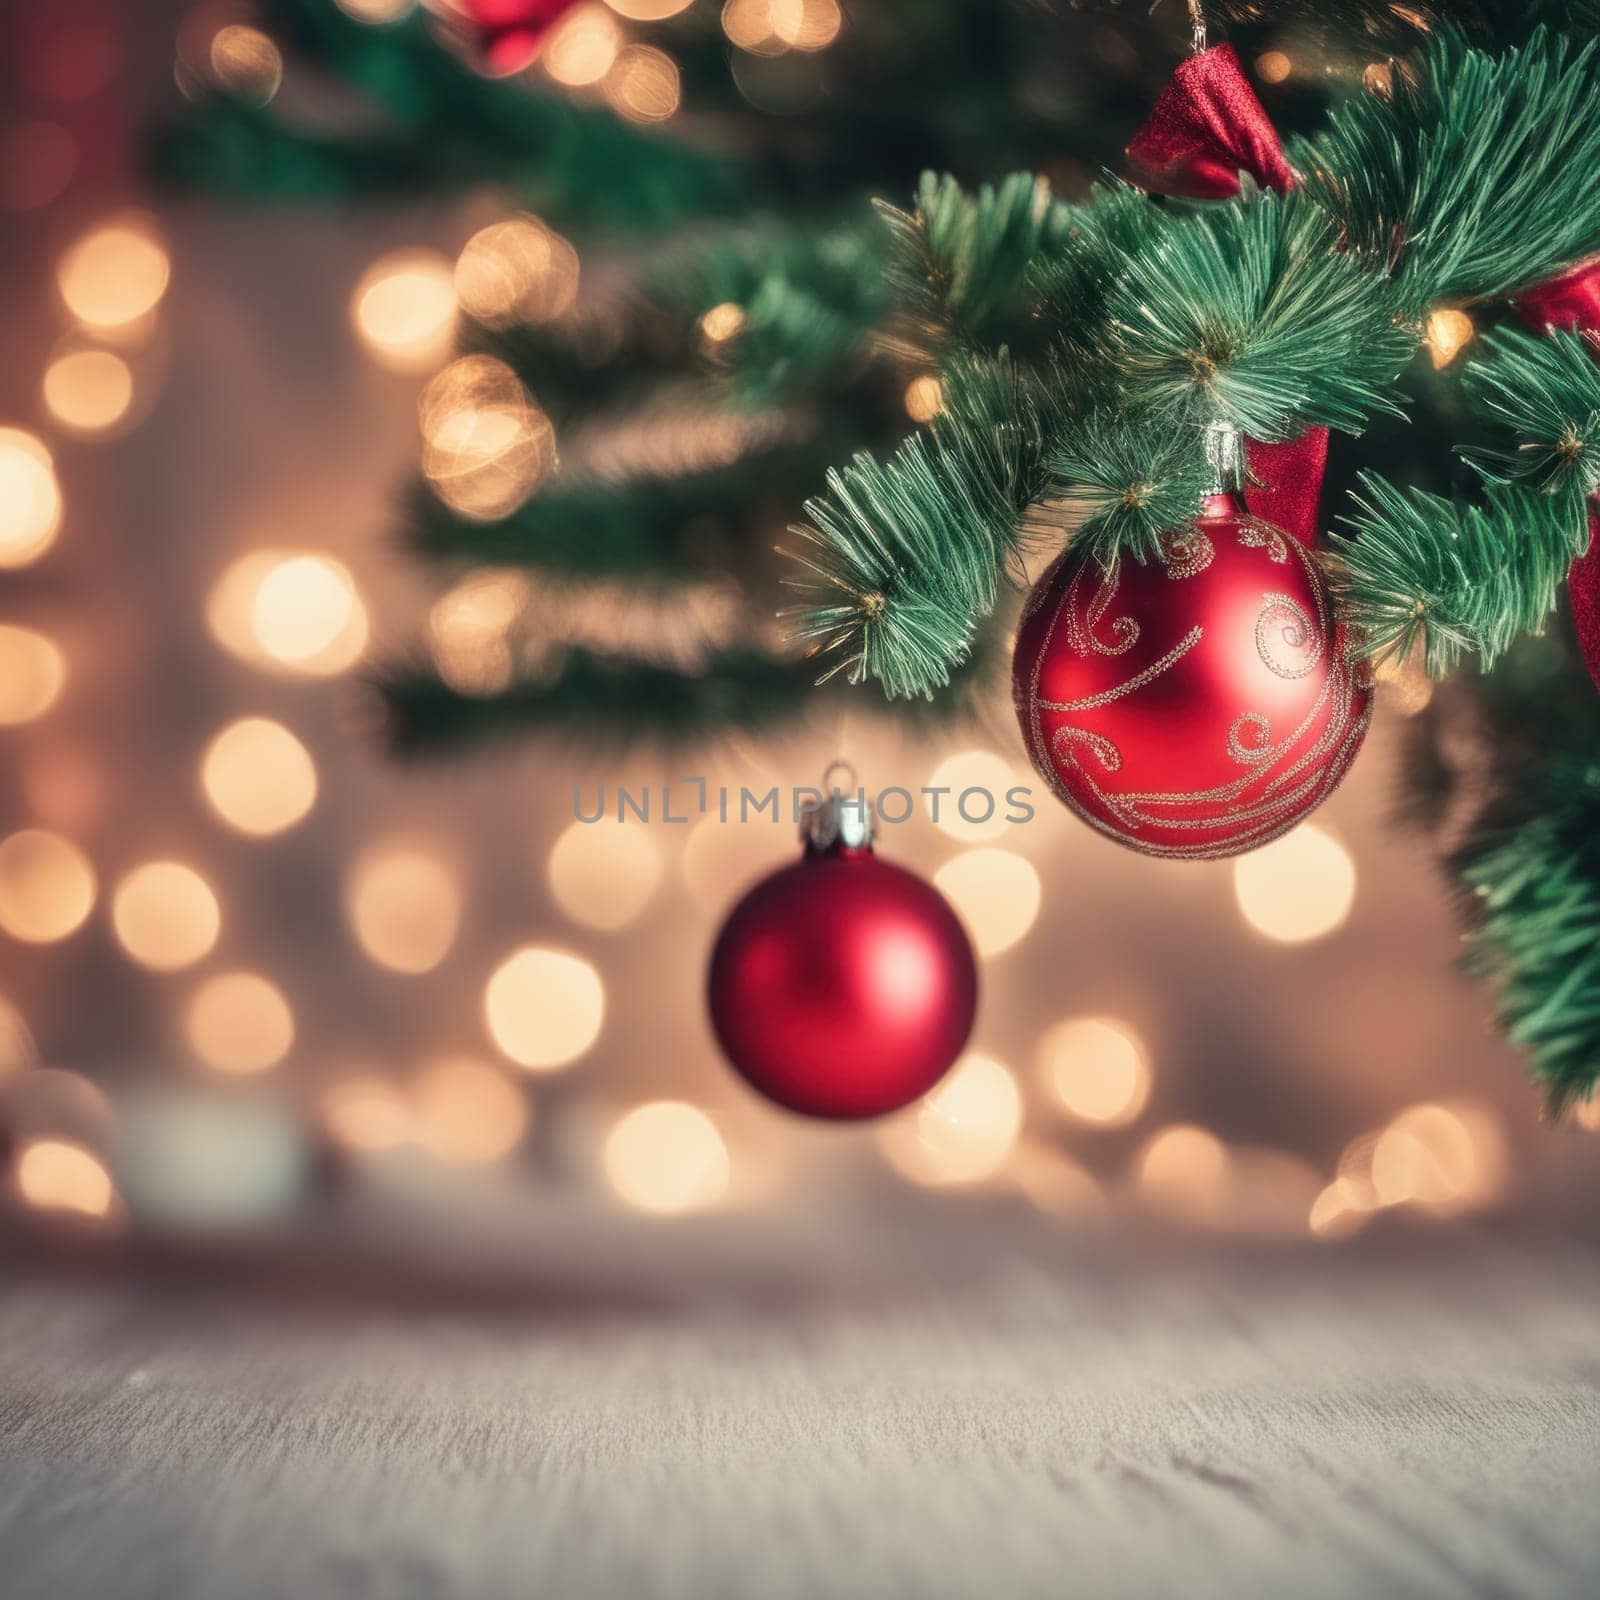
x=837 y=817
x=1225 y=457
x=1197 y=26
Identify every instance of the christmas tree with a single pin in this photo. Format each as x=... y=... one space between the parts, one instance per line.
x=1072 y=363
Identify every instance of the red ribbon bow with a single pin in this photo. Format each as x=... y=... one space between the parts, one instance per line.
x=1571 y=299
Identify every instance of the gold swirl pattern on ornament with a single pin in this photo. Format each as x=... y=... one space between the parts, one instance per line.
x=1136 y=682
x=1064 y=740
x=1081 y=637
x=1187 y=554
x=1262 y=535
x=1288 y=618
x=1250 y=755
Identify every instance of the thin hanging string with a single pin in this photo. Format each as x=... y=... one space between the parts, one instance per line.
x=1197 y=20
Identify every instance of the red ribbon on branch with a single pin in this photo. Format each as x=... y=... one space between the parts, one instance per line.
x=1572 y=300
x=1205 y=129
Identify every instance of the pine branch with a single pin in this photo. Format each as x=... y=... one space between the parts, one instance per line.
x=1458 y=580
x=1122 y=482
x=1473 y=177
x=903 y=557
x=1544 y=388
x=1252 y=314
x=1538 y=896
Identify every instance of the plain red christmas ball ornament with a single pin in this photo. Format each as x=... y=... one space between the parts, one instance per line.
x=510 y=31
x=1198 y=705
x=842 y=986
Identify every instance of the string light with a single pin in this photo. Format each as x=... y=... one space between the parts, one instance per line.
x=963 y=1132
x=1095 y=1070
x=258 y=777
x=239 y=1022
x=404 y=907
x=88 y=391
x=404 y=310
x=924 y=398
x=246 y=62
x=997 y=893
x=544 y=1008
x=32 y=673
x=973 y=807
x=165 y=915
x=486 y=446
x=1056 y=1184
x=581 y=48
x=367 y=1112
x=47 y=886
x=1184 y=1172
x=116 y=274
x=667 y=1157
x=30 y=498
x=604 y=877
x=516 y=270
x=53 y=1175
x=1449 y=333
x=377 y=12
x=466 y=1111
x=1297 y=888
x=642 y=84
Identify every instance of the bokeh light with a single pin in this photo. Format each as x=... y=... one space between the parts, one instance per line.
x=17 y=1048
x=165 y=915
x=239 y=1022
x=404 y=906
x=997 y=894
x=924 y=398
x=377 y=11
x=666 y=1158
x=1058 y=1185
x=516 y=270
x=364 y=1111
x=642 y=84
x=648 y=10
x=47 y=886
x=581 y=48
x=486 y=446
x=53 y=1175
x=404 y=310
x=115 y=274
x=769 y=27
x=1449 y=333
x=1447 y=1157
x=604 y=876
x=1185 y=1173
x=468 y=627
x=1273 y=66
x=1095 y=1070
x=289 y=611
x=307 y=615
x=544 y=1007
x=52 y=1103
x=32 y=672
x=963 y=1132
x=466 y=1111
x=975 y=807
x=88 y=391
x=246 y=62
x=258 y=777
x=30 y=498
x=1297 y=888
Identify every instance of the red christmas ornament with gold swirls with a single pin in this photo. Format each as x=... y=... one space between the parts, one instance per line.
x=1194 y=706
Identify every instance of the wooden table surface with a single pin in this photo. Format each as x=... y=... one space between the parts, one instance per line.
x=975 y=1409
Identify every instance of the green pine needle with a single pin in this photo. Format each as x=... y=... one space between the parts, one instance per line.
x=1545 y=388
x=1456 y=580
x=1474 y=175
x=1538 y=893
